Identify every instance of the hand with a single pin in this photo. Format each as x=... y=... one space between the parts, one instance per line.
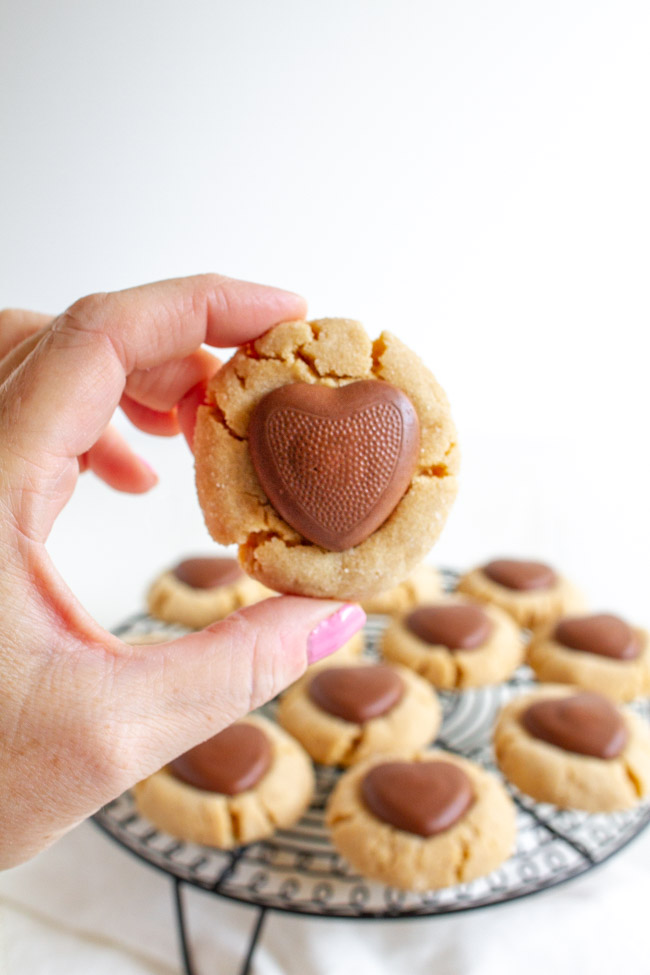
x=83 y=715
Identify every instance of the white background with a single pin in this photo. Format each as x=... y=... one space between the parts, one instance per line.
x=470 y=175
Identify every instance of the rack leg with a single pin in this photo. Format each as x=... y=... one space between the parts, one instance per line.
x=255 y=936
x=186 y=955
x=188 y=964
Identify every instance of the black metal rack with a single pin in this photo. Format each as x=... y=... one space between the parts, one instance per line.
x=298 y=871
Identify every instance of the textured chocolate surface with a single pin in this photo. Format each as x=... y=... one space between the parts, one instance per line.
x=424 y=798
x=231 y=762
x=519 y=575
x=208 y=573
x=335 y=461
x=356 y=694
x=455 y=627
x=585 y=723
x=603 y=634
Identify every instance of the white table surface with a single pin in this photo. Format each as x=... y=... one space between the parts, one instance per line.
x=86 y=907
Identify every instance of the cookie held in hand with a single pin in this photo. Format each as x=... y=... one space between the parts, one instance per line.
x=330 y=460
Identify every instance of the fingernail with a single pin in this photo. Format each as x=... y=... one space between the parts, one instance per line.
x=332 y=632
x=147 y=466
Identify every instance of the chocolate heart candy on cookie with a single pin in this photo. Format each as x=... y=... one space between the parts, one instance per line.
x=357 y=694
x=230 y=762
x=335 y=461
x=585 y=723
x=460 y=627
x=419 y=797
x=207 y=572
x=520 y=575
x=328 y=458
x=603 y=634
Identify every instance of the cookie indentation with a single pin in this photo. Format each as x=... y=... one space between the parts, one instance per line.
x=520 y=575
x=231 y=762
x=335 y=462
x=424 y=798
x=357 y=694
x=585 y=723
x=603 y=634
x=455 y=627
x=207 y=573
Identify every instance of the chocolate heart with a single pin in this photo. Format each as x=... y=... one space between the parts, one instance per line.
x=516 y=574
x=585 y=723
x=419 y=797
x=335 y=462
x=455 y=627
x=356 y=694
x=603 y=634
x=207 y=573
x=231 y=762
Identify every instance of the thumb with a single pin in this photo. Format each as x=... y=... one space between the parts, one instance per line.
x=190 y=689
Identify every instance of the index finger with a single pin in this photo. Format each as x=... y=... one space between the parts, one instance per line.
x=169 y=319
x=57 y=403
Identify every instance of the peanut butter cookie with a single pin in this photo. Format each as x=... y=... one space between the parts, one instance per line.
x=532 y=592
x=455 y=643
x=233 y=789
x=600 y=652
x=202 y=590
x=574 y=748
x=421 y=821
x=330 y=460
x=346 y=713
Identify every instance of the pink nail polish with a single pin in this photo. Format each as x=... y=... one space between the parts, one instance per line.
x=147 y=465
x=332 y=632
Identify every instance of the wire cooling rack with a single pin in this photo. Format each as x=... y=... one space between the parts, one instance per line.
x=298 y=871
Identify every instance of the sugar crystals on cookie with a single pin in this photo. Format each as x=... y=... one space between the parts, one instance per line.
x=330 y=460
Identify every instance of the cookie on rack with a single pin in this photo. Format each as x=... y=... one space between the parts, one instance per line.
x=235 y=788
x=421 y=822
x=201 y=590
x=532 y=592
x=329 y=459
x=421 y=586
x=344 y=714
x=455 y=643
x=600 y=652
x=574 y=748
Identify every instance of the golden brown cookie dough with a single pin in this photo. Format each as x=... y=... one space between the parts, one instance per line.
x=621 y=679
x=566 y=778
x=531 y=606
x=497 y=655
x=412 y=721
x=174 y=600
x=276 y=801
x=472 y=846
x=423 y=585
x=331 y=353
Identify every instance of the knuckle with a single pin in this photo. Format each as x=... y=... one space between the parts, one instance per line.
x=85 y=314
